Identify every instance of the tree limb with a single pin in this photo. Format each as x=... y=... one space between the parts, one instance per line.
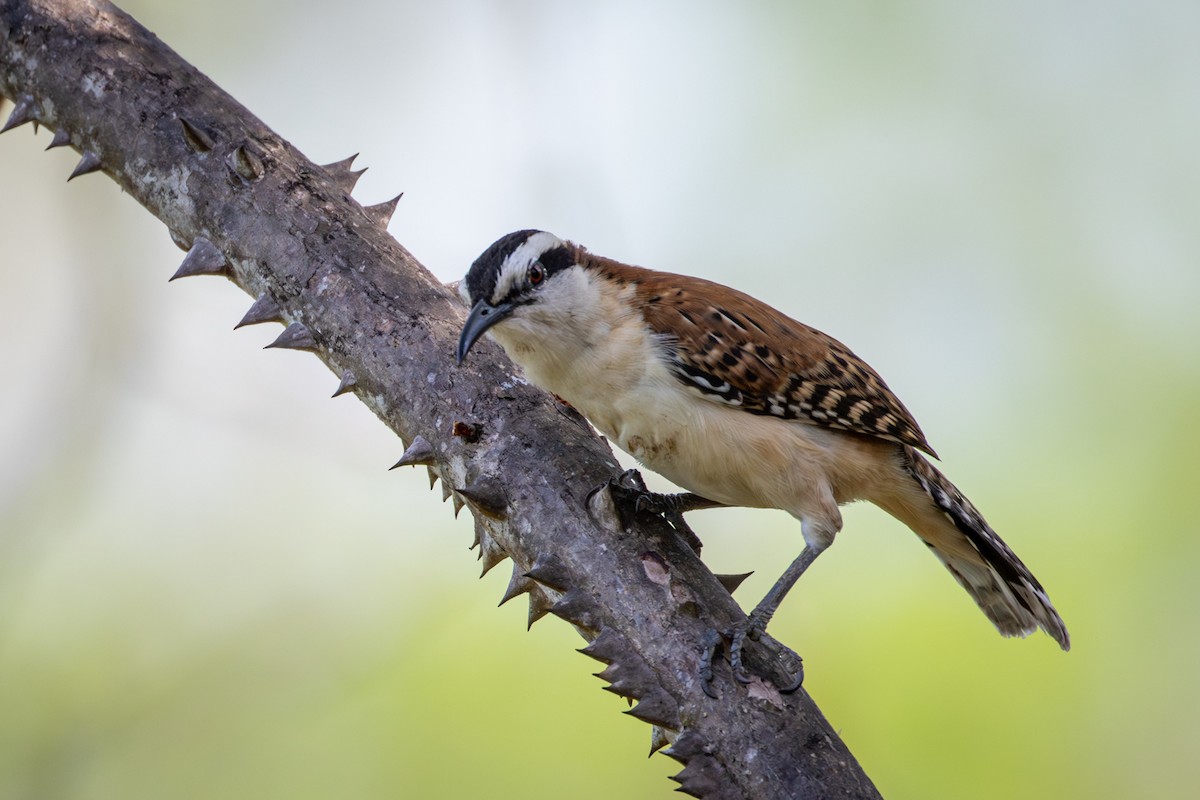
x=247 y=205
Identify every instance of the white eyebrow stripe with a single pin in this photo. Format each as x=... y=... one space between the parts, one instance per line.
x=513 y=270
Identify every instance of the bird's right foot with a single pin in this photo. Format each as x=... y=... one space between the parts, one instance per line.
x=748 y=630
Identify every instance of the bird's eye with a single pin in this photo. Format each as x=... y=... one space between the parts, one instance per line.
x=537 y=274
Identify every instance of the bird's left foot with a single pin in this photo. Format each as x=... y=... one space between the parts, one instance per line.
x=632 y=497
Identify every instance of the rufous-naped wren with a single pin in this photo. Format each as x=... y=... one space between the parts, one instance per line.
x=739 y=404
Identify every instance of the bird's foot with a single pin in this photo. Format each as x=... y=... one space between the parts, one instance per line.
x=750 y=629
x=626 y=489
x=632 y=497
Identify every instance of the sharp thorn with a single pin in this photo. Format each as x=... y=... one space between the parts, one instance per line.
x=447 y=492
x=433 y=476
x=687 y=745
x=657 y=708
x=246 y=163
x=627 y=677
x=341 y=174
x=264 y=309
x=539 y=606
x=518 y=584
x=90 y=162
x=458 y=504
x=346 y=384
x=419 y=453
x=576 y=607
x=487 y=496
x=296 y=336
x=658 y=739
x=196 y=137
x=607 y=647
x=61 y=139
x=697 y=781
x=490 y=552
x=350 y=180
x=381 y=213
x=732 y=582
x=336 y=168
x=22 y=113
x=608 y=674
x=620 y=690
x=202 y=259
x=549 y=570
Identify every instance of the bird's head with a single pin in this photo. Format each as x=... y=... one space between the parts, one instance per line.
x=520 y=278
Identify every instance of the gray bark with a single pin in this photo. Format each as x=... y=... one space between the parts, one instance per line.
x=247 y=205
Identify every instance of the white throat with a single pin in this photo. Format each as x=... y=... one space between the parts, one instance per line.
x=580 y=328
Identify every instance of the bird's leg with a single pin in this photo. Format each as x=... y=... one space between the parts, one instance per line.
x=757 y=620
x=631 y=490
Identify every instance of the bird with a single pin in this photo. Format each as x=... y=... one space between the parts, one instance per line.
x=740 y=405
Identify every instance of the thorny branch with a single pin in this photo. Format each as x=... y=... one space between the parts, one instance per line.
x=246 y=205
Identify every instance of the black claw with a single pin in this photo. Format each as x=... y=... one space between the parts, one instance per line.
x=627 y=490
x=795 y=684
x=750 y=630
x=632 y=497
x=587 y=501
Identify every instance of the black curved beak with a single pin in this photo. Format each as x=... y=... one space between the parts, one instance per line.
x=483 y=316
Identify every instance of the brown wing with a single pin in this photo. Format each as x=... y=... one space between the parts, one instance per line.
x=739 y=351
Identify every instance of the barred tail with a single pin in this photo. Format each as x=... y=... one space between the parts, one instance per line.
x=977 y=558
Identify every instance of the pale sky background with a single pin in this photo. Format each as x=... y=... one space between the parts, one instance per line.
x=211 y=586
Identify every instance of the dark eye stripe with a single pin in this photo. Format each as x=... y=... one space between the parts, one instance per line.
x=555 y=260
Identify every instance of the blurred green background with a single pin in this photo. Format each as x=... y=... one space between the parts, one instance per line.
x=211 y=587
